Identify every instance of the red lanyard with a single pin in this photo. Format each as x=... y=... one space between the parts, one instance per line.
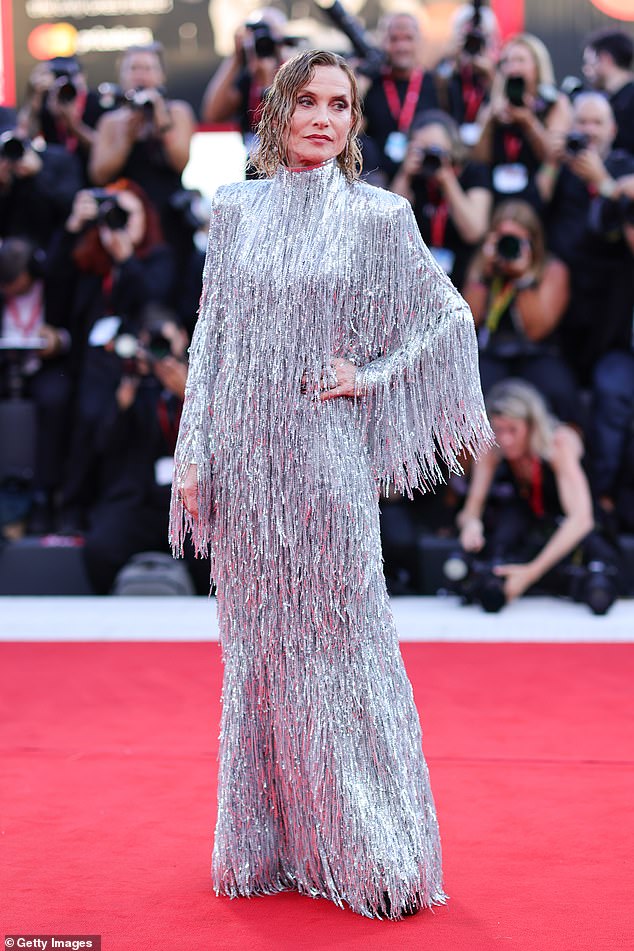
x=403 y=113
x=169 y=427
x=107 y=284
x=34 y=317
x=512 y=146
x=472 y=95
x=439 y=216
x=537 y=488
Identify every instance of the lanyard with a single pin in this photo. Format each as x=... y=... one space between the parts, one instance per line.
x=503 y=294
x=472 y=95
x=537 y=488
x=512 y=146
x=403 y=114
x=69 y=141
x=439 y=216
x=34 y=315
x=169 y=426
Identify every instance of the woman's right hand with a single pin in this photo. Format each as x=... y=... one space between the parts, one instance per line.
x=188 y=490
x=85 y=208
x=472 y=535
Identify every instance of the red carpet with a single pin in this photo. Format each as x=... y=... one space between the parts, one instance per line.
x=109 y=760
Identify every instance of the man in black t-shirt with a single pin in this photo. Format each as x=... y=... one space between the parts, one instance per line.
x=607 y=65
x=402 y=91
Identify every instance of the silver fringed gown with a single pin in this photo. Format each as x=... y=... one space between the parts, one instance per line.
x=323 y=786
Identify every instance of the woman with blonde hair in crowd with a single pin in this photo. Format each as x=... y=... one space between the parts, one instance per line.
x=523 y=116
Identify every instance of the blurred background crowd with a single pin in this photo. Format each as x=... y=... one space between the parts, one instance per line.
x=522 y=188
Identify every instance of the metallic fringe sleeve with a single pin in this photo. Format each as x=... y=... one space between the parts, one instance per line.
x=421 y=400
x=193 y=446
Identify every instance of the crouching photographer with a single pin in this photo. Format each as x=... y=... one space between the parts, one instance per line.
x=527 y=520
x=136 y=437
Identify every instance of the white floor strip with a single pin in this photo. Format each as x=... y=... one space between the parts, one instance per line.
x=417 y=619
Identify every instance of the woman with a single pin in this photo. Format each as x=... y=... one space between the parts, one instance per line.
x=331 y=357
x=545 y=511
x=518 y=296
x=451 y=197
x=523 y=117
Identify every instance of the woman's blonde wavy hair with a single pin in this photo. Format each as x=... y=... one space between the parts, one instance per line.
x=518 y=399
x=279 y=106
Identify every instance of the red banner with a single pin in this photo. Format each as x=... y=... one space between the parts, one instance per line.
x=510 y=16
x=7 y=66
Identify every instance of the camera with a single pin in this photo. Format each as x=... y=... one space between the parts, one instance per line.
x=474 y=42
x=142 y=100
x=265 y=44
x=576 y=142
x=109 y=213
x=432 y=159
x=66 y=89
x=594 y=584
x=111 y=96
x=372 y=59
x=12 y=147
x=508 y=247
x=474 y=581
x=514 y=90
x=130 y=349
x=65 y=71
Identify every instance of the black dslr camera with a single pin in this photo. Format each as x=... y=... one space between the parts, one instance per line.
x=474 y=581
x=65 y=71
x=508 y=247
x=475 y=39
x=576 y=142
x=432 y=159
x=12 y=146
x=109 y=212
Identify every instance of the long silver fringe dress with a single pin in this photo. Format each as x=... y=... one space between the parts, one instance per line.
x=323 y=786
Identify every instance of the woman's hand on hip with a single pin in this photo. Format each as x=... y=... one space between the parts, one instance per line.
x=188 y=490
x=343 y=375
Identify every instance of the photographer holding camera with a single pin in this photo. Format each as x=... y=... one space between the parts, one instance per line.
x=524 y=113
x=147 y=139
x=451 y=197
x=464 y=80
x=135 y=438
x=237 y=88
x=518 y=295
x=529 y=508
x=106 y=266
x=581 y=187
x=37 y=187
x=608 y=58
x=60 y=108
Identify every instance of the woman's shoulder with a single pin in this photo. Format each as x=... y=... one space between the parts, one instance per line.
x=378 y=200
x=239 y=192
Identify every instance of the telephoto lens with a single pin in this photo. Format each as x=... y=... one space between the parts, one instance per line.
x=508 y=247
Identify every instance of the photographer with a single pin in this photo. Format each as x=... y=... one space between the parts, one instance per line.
x=607 y=65
x=402 y=91
x=106 y=266
x=451 y=197
x=580 y=187
x=60 y=108
x=146 y=140
x=529 y=508
x=238 y=85
x=37 y=187
x=518 y=124
x=135 y=438
x=518 y=295
x=35 y=343
x=464 y=80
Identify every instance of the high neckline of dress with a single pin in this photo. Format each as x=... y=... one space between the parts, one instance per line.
x=309 y=177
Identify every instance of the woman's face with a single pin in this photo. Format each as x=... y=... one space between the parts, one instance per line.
x=141 y=69
x=322 y=119
x=432 y=136
x=512 y=436
x=517 y=60
x=136 y=223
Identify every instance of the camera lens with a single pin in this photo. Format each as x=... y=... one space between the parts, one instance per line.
x=509 y=247
x=11 y=147
x=576 y=142
x=66 y=90
x=474 y=42
x=112 y=215
x=514 y=90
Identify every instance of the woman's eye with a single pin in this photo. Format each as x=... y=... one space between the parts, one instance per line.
x=305 y=101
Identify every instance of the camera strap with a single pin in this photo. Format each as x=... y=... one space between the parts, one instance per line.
x=403 y=113
x=512 y=145
x=24 y=314
x=472 y=94
x=439 y=216
x=502 y=293
x=169 y=417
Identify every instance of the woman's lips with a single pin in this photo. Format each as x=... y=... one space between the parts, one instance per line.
x=319 y=138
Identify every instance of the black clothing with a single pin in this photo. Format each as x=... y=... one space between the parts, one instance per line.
x=622 y=103
x=461 y=93
x=35 y=206
x=599 y=317
x=379 y=119
x=428 y=210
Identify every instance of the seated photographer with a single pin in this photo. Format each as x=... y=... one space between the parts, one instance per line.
x=581 y=187
x=60 y=108
x=529 y=509
x=35 y=347
x=401 y=91
x=237 y=87
x=451 y=197
x=106 y=266
x=524 y=112
x=37 y=187
x=136 y=437
x=464 y=80
x=147 y=139
x=608 y=58
x=518 y=295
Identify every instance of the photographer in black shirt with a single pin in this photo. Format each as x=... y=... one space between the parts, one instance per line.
x=607 y=65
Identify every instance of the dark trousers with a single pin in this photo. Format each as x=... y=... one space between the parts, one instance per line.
x=612 y=416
